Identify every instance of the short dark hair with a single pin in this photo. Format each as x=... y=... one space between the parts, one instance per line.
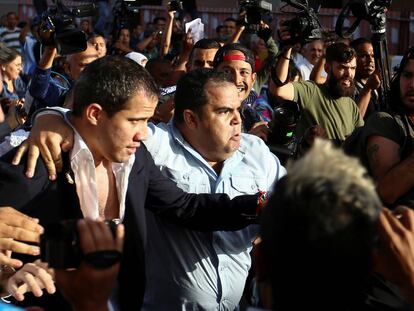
x=95 y=35
x=204 y=44
x=111 y=81
x=396 y=105
x=319 y=231
x=340 y=52
x=357 y=42
x=158 y=18
x=230 y=19
x=248 y=54
x=191 y=90
x=11 y=13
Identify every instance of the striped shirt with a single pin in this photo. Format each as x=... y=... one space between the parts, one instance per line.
x=11 y=38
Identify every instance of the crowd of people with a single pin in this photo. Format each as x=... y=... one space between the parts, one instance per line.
x=184 y=145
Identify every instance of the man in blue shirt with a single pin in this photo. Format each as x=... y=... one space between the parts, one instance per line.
x=204 y=151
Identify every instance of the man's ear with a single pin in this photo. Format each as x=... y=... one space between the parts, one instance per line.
x=191 y=119
x=254 y=75
x=93 y=113
x=66 y=67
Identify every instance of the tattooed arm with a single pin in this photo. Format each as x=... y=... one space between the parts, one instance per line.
x=393 y=176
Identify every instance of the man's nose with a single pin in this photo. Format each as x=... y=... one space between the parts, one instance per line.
x=238 y=79
x=141 y=134
x=236 y=118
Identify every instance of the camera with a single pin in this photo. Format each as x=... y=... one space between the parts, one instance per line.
x=60 y=243
x=372 y=11
x=305 y=27
x=126 y=12
x=256 y=11
x=175 y=6
x=60 y=22
x=282 y=139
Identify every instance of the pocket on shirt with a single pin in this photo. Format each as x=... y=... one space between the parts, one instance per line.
x=189 y=181
x=243 y=184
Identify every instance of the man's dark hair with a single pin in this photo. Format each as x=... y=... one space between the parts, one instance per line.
x=95 y=35
x=203 y=44
x=248 y=54
x=11 y=13
x=357 y=42
x=158 y=18
x=230 y=19
x=191 y=90
x=319 y=230
x=111 y=81
x=396 y=105
x=340 y=52
x=218 y=28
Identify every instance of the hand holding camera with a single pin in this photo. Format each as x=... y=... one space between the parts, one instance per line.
x=89 y=286
x=14 y=111
x=284 y=34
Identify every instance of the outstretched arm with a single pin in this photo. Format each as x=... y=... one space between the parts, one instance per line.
x=50 y=135
x=281 y=88
x=396 y=252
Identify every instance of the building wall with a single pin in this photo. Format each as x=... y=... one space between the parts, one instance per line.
x=400 y=24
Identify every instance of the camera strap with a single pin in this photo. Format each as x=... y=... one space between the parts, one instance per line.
x=102 y=259
x=276 y=79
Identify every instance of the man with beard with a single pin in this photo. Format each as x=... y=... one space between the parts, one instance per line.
x=367 y=81
x=328 y=105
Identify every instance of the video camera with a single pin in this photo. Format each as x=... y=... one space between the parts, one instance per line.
x=59 y=21
x=125 y=12
x=60 y=243
x=372 y=11
x=256 y=11
x=305 y=27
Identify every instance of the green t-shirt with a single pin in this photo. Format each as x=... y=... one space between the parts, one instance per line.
x=338 y=116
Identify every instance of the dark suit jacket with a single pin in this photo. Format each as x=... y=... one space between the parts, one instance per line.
x=148 y=188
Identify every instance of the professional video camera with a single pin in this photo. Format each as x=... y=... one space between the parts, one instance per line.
x=373 y=11
x=60 y=243
x=255 y=12
x=59 y=21
x=305 y=27
x=125 y=12
x=282 y=140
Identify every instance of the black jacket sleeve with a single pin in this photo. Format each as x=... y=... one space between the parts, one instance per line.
x=204 y=212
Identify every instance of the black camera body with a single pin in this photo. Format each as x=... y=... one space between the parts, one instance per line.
x=256 y=11
x=60 y=21
x=372 y=11
x=304 y=27
x=60 y=243
x=175 y=6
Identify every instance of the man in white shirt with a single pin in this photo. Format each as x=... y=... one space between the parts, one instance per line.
x=108 y=174
x=311 y=52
